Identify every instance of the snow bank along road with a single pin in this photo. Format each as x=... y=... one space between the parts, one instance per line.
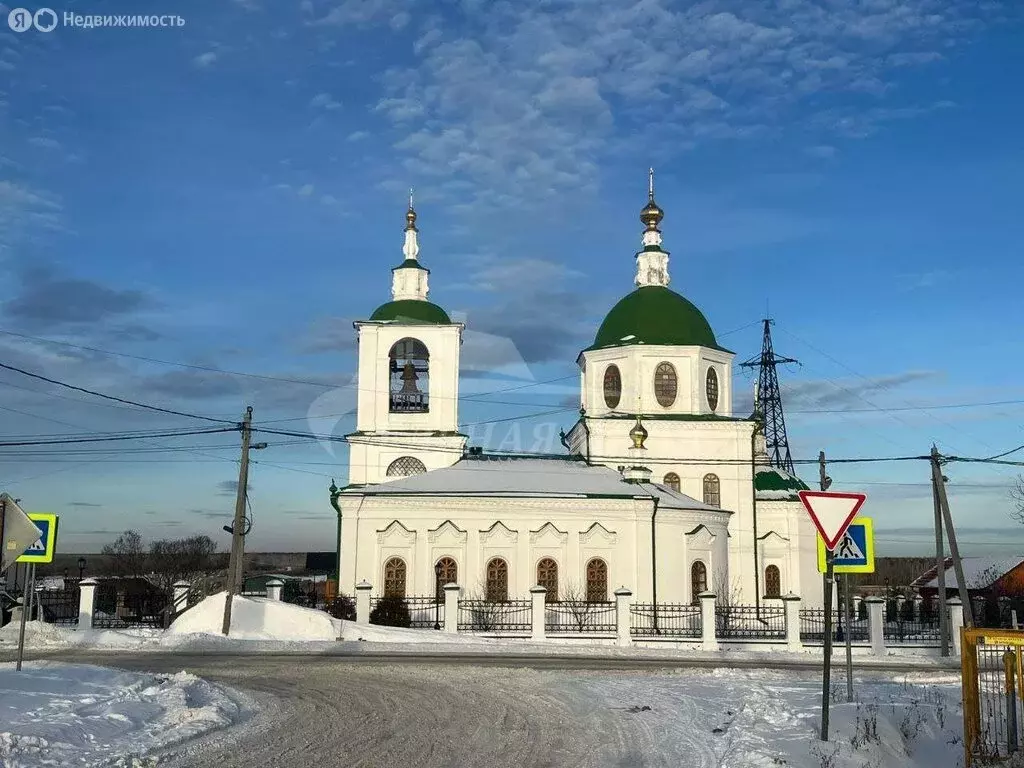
x=376 y=713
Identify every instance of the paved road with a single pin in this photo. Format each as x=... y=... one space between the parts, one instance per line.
x=374 y=711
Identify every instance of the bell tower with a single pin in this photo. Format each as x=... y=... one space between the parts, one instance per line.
x=407 y=411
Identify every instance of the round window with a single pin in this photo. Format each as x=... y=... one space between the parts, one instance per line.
x=712 y=389
x=612 y=386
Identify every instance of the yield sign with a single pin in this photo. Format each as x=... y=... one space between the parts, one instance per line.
x=832 y=513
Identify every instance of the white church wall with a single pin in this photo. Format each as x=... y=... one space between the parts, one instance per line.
x=371 y=455
x=789 y=521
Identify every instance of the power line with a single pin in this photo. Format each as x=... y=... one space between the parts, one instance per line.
x=69 y=441
x=112 y=397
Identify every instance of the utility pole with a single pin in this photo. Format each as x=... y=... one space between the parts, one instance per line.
x=826 y=678
x=954 y=550
x=940 y=562
x=238 y=530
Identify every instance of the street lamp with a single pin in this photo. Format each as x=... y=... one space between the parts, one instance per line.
x=81 y=568
x=437 y=595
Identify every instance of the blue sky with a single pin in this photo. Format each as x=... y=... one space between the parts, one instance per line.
x=229 y=194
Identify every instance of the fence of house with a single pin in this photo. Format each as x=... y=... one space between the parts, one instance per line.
x=779 y=623
x=709 y=625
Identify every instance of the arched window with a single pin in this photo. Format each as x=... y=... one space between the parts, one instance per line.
x=665 y=384
x=671 y=481
x=698 y=580
x=409 y=373
x=612 y=386
x=547 y=577
x=446 y=572
x=712 y=490
x=497 y=581
x=772 y=581
x=405 y=466
x=597 y=581
x=394 y=577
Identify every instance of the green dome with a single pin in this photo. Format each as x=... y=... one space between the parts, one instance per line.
x=411 y=311
x=652 y=314
x=771 y=483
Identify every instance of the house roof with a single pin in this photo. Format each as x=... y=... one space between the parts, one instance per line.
x=555 y=477
x=979 y=572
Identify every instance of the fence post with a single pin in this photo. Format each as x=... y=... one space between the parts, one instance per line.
x=274 y=587
x=539 y=596
x=86 y=603
x=876 y=624
x=956 y=621
x=623 y=637
x=709 y=640
x=451 y=608
x=363 y=602
x=792 y=605
x=180 y=592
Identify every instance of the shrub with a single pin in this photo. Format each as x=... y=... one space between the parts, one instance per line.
x=907 y=610
x=391 y=612
x=343 y=607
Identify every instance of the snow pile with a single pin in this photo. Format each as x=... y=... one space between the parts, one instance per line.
x=758 y=718
x=256 y=619
x=73 y=715
x=373 y=633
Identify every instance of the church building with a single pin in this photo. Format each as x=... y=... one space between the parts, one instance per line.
x=663 y=488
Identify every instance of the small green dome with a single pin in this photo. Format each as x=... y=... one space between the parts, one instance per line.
x=652 y=314
x=411 y=311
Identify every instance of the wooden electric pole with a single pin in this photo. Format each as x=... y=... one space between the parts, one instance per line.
x=940 y=563
x=238 y=531
x=958 y=567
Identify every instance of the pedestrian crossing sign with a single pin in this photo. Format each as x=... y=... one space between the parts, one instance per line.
x=42 y=551
x=855 y=552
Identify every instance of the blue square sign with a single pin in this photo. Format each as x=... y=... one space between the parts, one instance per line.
x=855 y=552
x=42 y=551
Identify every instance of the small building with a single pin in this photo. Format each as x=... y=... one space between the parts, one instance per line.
x=995 y=586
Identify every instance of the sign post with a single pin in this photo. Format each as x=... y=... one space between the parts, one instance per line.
x=41 y=551
x=831 y=514
x=854 y=554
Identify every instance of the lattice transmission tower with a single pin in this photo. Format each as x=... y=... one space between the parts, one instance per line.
x=769 y=401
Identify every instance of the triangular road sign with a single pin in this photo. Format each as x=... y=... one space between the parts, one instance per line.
x=832 y=513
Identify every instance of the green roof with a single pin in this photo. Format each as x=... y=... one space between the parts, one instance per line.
x=652 y=314
x=777 y=484
x=410 y=264
x=411 y=311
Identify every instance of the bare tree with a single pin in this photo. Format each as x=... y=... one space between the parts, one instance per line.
x=576 y=603
x=1017 y=495
x=727 y=602
x=189 y=559
x=486 y=615
x=126 y=555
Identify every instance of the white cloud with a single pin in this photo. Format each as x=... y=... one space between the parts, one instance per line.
x=305 y=190
x=822 y=151
x=325 y=101
x=358 y=135
x=521 y=100
x=44 y=142
x=204 y=60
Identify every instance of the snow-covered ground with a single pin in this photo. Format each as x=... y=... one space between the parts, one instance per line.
x=54 y=714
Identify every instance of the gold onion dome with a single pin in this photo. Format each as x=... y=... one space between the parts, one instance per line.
x=651 y=215
x=410 y=215
x=638 y=434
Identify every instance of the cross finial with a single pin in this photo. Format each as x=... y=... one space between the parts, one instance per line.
x=650 y=183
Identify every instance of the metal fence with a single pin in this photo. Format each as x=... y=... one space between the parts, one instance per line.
x=993 y=691
x=664 y=620
x=489 y=616
x=750 y=622
x=412 y=612
x=58 y=606
x=912 y=633
x=580 y=616
x=812 y=627
x=130 y=608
